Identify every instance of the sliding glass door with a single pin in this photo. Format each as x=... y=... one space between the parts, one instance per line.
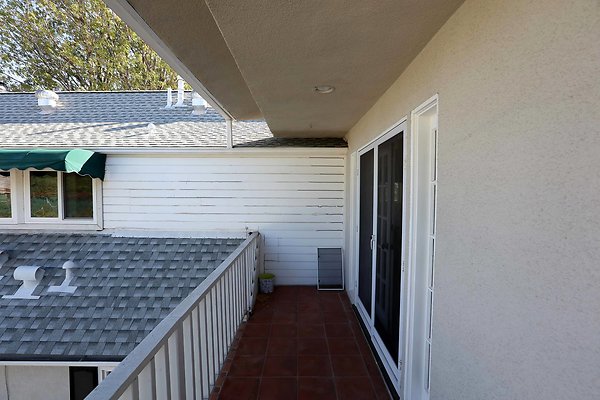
x=388 y=263
x=380 y=244
x=365 y=258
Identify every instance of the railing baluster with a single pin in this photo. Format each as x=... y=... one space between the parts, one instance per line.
x=249 y=266
x=188 y=361
x=131 y=392
x=146 y=382
x=196 y=354
x=218 y=324
x=176 y=366
x=238 y=288
x=213 y=347
x=230 y=322
x=202 y=317
x=211 y=337
x=244 y=289
x=222 y=323
x=161 y=365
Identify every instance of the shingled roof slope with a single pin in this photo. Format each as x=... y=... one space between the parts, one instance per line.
x=125 y=286
x=120 y=119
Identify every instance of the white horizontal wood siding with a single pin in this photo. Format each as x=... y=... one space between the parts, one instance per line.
x=295 y=200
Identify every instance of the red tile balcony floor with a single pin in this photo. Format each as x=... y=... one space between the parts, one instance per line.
x=301 y=343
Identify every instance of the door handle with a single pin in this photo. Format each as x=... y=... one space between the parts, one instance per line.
x=372 y=243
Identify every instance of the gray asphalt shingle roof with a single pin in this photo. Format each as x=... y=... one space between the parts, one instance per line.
x=126 y=285
x=120 y=119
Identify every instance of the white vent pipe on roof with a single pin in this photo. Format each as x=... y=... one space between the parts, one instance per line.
x=229 y=133
x=180 y=86
x=199 y=104
x=31 y=276
x=65 y=286
x=47 y=100
x=169 y=98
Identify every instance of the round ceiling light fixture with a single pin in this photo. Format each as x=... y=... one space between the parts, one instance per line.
x=324 y=89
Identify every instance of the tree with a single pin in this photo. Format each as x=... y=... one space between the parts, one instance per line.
x=74 y=45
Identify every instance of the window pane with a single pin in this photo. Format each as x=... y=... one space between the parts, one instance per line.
x=77 y=196
x=44 y=194
x=5 y=207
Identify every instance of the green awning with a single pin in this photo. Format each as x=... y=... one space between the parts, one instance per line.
x=82 y=162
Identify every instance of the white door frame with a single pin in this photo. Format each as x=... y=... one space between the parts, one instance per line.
x=416 y=383
x=393 y=370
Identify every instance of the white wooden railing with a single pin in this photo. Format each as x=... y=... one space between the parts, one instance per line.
x=182 y=357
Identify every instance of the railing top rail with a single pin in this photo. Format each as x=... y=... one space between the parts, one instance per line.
x=126 y=372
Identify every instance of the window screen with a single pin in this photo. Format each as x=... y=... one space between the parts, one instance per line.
x=330 y=272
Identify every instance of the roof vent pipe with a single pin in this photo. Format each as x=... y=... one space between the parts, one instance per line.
x=180 y=85
x=65 y=286
x=31 y=276
x=46 y=101
x=169 y=98
x=199 y=104
x=229 y=134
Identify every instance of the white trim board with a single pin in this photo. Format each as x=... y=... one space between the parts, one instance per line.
x=99 y=364
x=416 y=385
x=216 y=151
x=222 y=151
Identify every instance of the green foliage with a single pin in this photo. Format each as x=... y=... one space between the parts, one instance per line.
x=266 y=275
x=74 y=45
x=44 y=194
x=5 y=208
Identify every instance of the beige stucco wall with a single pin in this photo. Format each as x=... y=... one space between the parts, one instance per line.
x=34 y=383
x=517 y=307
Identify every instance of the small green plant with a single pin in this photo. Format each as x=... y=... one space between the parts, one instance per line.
x=266 y=276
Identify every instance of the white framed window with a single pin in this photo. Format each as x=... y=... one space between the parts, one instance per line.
x=103 y=373
x=8 y=198
x=51 y=199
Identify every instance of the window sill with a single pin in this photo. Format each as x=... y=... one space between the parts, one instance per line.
x=50 y=226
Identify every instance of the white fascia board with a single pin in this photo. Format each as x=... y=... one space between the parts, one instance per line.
x=219 y=234
x=128 y=14
x=268 y=151
x=104 y=364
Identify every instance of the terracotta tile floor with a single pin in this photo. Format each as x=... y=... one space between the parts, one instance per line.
x=301 y=343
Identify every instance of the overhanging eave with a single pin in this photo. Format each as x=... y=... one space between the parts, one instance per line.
x=186 y=36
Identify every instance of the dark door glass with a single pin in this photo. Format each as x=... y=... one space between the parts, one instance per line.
x=389 y=243
x=365 y=254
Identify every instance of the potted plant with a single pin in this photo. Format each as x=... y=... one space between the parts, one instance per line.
x=267 y=281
